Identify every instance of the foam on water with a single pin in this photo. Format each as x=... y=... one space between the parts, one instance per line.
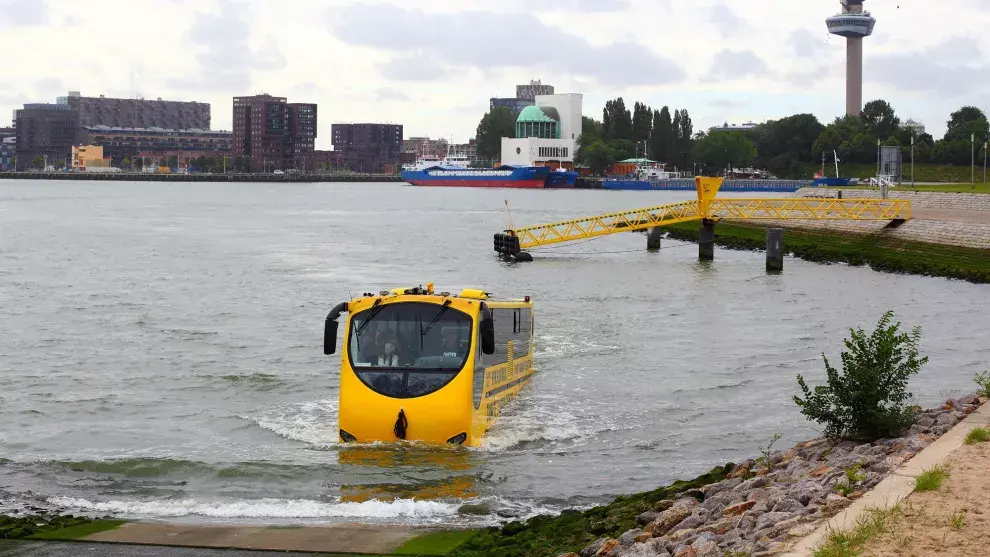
x=265 y=508
x=310 y=422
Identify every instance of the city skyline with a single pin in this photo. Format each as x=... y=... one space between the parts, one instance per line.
x=390 y=63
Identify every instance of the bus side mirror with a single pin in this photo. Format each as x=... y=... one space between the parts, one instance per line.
x=330 y=329
x=487 y=333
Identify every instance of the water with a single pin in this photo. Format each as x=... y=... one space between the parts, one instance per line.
x=160 y=349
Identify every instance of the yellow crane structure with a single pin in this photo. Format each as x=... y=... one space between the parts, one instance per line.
x=708 y=209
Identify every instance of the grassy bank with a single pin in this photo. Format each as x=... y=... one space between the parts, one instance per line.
x=66 y=527
x=880 y=253
x=922 y=172
x=573 y=530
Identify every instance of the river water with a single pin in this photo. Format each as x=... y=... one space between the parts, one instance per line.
x=160 y=349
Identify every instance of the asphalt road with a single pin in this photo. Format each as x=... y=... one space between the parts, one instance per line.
x=80 y=549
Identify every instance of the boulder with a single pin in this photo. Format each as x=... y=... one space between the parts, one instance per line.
x=647 y=517
x=592 y=548
x=789 y=506
x=770 y=519
x=608 y=547
x=667 y=520
x=738 y=509
x=629 y=536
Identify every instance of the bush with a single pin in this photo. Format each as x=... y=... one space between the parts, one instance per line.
x=983 y=380
x=866 y=401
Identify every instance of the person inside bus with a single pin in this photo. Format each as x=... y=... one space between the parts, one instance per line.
x=451 y=351
x=389 y=356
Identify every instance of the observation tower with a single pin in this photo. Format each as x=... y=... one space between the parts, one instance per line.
x=853 y=24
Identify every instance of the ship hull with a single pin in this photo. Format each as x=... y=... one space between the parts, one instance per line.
x=687 y=184
x=530 y=177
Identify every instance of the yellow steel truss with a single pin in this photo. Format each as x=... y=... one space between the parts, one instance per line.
x=710 y=207
x=602 y=225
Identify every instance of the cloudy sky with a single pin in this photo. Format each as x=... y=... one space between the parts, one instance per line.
x=432 y=64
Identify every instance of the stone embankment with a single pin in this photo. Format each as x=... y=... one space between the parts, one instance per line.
x=760 y=507
x=957 y=219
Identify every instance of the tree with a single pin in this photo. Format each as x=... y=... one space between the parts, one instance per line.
x=964 y=122
x=138 y=163
x=599 y=157
x=173 y=161
x=880 y=120
x=616 y=120
x=783 y=145
x=685 y=139
x=663 y=135
x=622 y=149
x=591 y=132
x=126 y=163
x=867 y=401
x=38 y=163
x=719 y=150
x=642 y=122
x=498 y=123
x=591 y=127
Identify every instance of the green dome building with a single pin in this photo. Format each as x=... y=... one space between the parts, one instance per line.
x=538 y=121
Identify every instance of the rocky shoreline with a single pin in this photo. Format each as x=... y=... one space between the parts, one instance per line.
x=761 y=506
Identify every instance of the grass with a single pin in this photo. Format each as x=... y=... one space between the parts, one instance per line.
x=931 y=479
x=872 y=524
x=939 y=188
x=978 y=435
x=879 y=252
x=78 y=531
x=435 y=543
x=958 y=520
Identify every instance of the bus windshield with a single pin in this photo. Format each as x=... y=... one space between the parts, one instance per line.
x=409 y=349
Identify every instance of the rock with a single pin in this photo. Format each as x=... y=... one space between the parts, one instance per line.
x=647 y=517
x=686 y=503
x=802 y=530
x=770 y=519
x=855 y=495
x=835 y=503
x=472 y=509
x=694 y=494
x=788 y=506
x=821 y=471
x=945 y=419
x=689 y=523
x=643 y=537
x=663 y=505
x=924 y=421
x=592 y=548
x=686 y=551
x=667 y=520
x=706 y=549
x=782 y=527
x=569 y=555
x=641 y=550
x=735 y=510
x=629 y=536
x=751 y=484
x=686 y=535
x=722 y=526
x=739 y=472
x=607 y=547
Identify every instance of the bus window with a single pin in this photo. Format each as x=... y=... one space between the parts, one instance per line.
x=409 y=349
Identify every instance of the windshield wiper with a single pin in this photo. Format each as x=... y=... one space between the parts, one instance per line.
x=423 y=331
x=375 y=310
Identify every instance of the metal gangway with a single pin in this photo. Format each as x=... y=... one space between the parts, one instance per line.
x=708 y=209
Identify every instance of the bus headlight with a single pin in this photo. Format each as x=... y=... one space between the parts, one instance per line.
x=458 y=439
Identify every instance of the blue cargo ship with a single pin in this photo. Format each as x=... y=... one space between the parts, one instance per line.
x=454 y=172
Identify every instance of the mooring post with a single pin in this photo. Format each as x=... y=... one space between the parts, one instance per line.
x=653 y=238
x=775 y=250
x=706 y=240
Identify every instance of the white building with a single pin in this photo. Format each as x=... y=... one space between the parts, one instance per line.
x=546 y=133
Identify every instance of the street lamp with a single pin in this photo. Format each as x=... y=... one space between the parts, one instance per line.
x=912 y=160
x=972 y=161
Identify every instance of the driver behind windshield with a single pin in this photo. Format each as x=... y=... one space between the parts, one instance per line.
x=451 y=350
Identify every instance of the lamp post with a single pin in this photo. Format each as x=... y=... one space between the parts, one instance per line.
x=912 y=161
x=984 y=162
x=972 y=161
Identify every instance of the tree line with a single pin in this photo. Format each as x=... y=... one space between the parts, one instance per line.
x=785 y=147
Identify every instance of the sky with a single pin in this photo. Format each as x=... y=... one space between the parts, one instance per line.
x=432 y=65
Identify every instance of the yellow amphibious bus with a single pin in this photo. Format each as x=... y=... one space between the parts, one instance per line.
x=423 y=366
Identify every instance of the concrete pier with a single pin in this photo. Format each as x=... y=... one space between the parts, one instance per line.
x=653 y=238
x=706 y=241
x=775 y=250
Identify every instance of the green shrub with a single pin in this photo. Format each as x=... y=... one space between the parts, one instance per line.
x=978 y=435
x=866 y=401
x=930 y=479
x=983 y=380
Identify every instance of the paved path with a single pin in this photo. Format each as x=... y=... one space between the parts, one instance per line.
x=345 y=538
x=951 y=215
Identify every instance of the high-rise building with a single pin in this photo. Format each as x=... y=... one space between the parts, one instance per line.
x=368 y=147
x=529 y=92
x=275 y=134
x=45 y=131
x=512 y=103
x=121 y=143
x=8 y=153
x=854 y=24
x=137 y=113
